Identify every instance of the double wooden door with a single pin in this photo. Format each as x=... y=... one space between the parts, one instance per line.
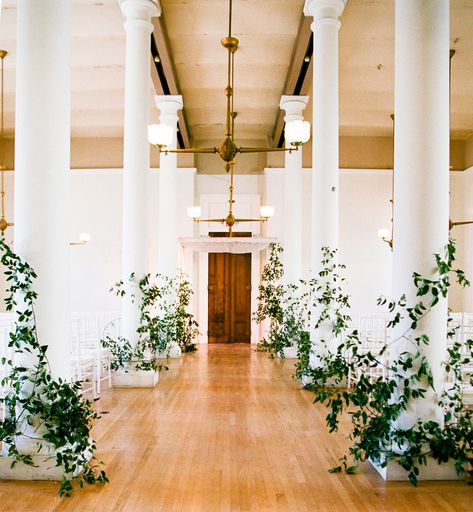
x=229 y=298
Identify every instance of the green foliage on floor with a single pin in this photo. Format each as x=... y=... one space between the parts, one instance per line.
x=377 y=405
x=47 y=412
x=164 y=319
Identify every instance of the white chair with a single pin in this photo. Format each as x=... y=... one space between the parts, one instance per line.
x=87 y=348
x=83 y=364
x=467 y=319
x=372 y=333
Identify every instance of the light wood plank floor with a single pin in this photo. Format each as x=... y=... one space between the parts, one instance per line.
x=227 y=429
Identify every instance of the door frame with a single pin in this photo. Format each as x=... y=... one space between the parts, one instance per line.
x=203 y=282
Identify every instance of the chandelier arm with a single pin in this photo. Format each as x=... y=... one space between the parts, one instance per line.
x=261 y=219
x=266 y=150
x=186 y=150
x=209 y=220
x=459 y=223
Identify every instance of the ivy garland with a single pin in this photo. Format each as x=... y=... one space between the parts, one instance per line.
x=376 y=404
x=286 y=306
x=163 y=319
x=49 y=412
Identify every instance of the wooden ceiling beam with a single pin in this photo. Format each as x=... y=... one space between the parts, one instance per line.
x=299 y=77
x=164 y=76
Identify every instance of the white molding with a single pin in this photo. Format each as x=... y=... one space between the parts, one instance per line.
x=377 y=172
x=119 y=170
x=275 y=171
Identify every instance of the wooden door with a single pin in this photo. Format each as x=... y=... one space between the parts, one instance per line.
x=229 y=298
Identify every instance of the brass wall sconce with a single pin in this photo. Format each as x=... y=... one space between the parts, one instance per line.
x=4 y=224
x=84 y=238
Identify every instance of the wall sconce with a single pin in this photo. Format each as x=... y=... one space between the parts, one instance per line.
x=385 y=235
x=84 y=238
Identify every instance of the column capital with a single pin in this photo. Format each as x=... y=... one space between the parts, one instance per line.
x=140 y=10
x=293 y=106
x=168 y=103
x=326 y=11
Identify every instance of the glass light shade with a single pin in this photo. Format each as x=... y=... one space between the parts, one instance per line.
x=160 y=134
x=84 y=237
x=194 y=212
x=297 y=132
x=267 y=211
x=384 y=234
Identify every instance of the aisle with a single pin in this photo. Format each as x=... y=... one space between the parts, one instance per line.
x=226 y=429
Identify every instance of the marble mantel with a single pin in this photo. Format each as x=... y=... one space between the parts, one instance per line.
x=237 y=245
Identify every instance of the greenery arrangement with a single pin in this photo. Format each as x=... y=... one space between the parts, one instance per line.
x=47 y=412
x=163 y=319
x=376 y=404
x=285 y=306
x=186 y=328
x=328 y=304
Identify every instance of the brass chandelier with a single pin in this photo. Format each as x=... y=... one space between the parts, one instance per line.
x=4 y=224
x=296 y=134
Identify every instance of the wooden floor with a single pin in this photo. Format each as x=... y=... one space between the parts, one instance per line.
x=227 y=429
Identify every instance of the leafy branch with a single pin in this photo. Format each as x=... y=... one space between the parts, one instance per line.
x=48 y=412
x=376 y=404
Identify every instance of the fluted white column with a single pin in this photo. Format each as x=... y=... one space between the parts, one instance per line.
x=168 y=107
x=325 y=193
x=421 y=169
x=292 y=243
x=138 y=28
x=42 y=154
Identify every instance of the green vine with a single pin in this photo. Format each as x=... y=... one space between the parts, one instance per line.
x=328 y=302
x=163 y=319
x=186 y=328
x=48 y=412
x=285 y=306
x=375 y=404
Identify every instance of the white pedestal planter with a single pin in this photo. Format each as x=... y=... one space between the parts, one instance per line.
x=133 y=378
x=45 y=469
x=432 y=471
x=290 y=352
x=174 y=352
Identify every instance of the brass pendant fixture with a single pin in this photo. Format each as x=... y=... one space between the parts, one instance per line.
x=4 y=224
x=297 y=133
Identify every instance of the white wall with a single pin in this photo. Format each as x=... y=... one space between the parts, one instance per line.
x=364 y=208
x=461 y=208
x=96 y=198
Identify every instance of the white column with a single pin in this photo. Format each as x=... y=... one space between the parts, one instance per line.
x=421 y=169
x=325 y=192
x=168 y=107
x=138 y=28
x=42 y=154
x=292 y=242
x=325 y=168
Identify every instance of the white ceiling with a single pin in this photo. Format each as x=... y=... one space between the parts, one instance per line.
x=267 y=31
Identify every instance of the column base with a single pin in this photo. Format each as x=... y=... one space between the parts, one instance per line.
x=306 y=380
x=45 y=470
x=432 y=471
x=174 y=352
x=134 y=378
x=290 y=353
